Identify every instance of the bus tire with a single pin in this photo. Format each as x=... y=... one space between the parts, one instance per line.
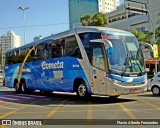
x=23 y=86
x=16 y=86
x=81 y=90
x=3 y=82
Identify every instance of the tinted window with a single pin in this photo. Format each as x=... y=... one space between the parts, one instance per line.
x=71 y=47
x=86 y=37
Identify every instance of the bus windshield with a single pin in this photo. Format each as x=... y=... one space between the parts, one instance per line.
x=127 y=57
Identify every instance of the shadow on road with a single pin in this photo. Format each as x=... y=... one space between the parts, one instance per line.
x=43 y=99
x=148 y=95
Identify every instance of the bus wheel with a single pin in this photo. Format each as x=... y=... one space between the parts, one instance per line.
x=17 y=87
x=23 y=87
x=82 y=90
x=3 y=82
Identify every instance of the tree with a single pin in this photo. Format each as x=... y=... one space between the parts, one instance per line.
x=158 y=31
x=139 y=35
x=86 y=19
x=99 y=19
x=145 y=37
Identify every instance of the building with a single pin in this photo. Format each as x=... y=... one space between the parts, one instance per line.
x=106 y=6
x=126 y=19
x=132 y=16
x=9 y=41
x=81 y=7
x=78 y=8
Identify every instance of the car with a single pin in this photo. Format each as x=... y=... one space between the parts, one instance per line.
x=1 y=76
x=155 y=84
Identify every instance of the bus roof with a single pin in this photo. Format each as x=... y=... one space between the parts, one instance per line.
x=81 y=29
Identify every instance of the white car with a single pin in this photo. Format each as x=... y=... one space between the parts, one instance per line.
x=1 y=76
x=155 y=84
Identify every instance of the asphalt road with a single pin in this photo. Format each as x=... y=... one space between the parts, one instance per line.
x=67 y=110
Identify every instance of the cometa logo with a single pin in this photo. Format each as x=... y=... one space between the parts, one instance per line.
x=55 y=65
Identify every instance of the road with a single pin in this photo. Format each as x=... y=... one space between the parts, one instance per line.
x=57 y=109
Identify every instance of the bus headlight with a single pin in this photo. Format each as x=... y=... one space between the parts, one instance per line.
x=117 y=82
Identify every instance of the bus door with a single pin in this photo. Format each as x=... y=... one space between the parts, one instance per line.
x=99 y=69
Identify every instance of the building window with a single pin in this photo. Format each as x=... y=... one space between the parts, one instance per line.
x=141 y=29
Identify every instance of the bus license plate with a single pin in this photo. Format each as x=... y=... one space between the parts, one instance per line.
x=133 y=90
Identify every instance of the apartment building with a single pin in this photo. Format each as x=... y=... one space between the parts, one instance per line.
x=125 y=19
x=106 y=6
x=78 y=8
x=9 y=41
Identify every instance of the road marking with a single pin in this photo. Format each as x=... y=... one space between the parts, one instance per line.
x=52 y=112
x=28 y=95
x=14 y=111
x=89 y=110
x=89 y=113
x=129 y=113
x=6 y=107
x=16 y=96
x=145 y=101
x=2 y=126
x=1 y=101
x=7 y=98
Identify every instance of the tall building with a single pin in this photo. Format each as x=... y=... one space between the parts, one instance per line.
x=9 y=41
x=78 y=8
x=128 y=19
x=106 y=6
x=132 y=19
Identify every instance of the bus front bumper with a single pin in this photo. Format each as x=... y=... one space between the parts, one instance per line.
x=126 y=88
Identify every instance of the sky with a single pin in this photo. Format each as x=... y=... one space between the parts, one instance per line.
x=43 y=18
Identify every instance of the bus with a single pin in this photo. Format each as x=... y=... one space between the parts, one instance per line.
x=86 y=60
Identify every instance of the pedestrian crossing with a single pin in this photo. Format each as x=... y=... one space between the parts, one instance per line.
x=18 y=97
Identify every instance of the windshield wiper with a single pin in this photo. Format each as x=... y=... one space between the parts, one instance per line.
x=136 y=63
x=126 y=64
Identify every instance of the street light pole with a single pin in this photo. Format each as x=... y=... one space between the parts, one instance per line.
x=24 y=18
x=154 y=34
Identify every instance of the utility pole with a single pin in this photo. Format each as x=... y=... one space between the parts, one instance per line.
x=130 y=8
x=24 y=18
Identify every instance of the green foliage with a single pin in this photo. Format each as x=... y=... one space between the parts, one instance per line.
x=99 y=19
x=139 y=35
x=86 y=19
x=158 y=31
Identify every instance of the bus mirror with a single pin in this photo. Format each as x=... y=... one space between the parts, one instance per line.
x=62 y=42
x=149 y=46
x=108 y=45
x=109 y=50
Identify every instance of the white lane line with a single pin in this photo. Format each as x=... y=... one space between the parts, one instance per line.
x=7 y=98
x=28 y=95
x=15 y=96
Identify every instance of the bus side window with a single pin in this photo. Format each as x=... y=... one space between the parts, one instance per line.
x=22 y=55
x=55 y=49
x=39 y=51
x=71 y=47
x=98 y=58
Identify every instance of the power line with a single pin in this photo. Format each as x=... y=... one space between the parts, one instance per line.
x=42 y=25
